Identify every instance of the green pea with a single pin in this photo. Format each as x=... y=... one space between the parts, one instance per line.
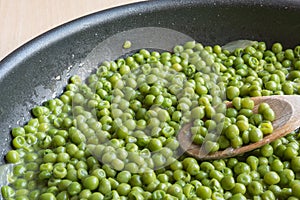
x=104 y=186
x=246 y=112
x=231 y=112
x=247 y=103
x=236 y=142
x=244 y=179
x=253 y=162
x=255 y=188
x=276 y=165
x=59 y=172
x=266 y=150
x=266 y=127
x=239 y=188
x=241 y=167
x=203 y=192
x=74 y=188
x=232 y=92
x=232 y=131
x=124 y=177
x=242 y=125
x=269 y=114
x=96 y=196
x=228 y=182
x=262 y=107
x=296 y=190
x=91 y=182
x=271 y=178
x=290 y=153
x=286 y=176
x=123 y=189
x=295 y=164
x=154 y=144
x=7 y=192
x=18 y=131
x=12 y=156
x=47 y=196
x=255 y=135
x=148 y=177
x=62 y=195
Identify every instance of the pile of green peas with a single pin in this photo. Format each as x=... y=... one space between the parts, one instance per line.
x=114 y=135
x=234 y=126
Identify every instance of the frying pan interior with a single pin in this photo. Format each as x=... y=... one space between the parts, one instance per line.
x=40 y=69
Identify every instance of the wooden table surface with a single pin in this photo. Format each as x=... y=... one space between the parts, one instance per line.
x=22 y=20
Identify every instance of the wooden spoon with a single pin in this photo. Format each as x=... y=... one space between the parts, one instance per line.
x=287 y=119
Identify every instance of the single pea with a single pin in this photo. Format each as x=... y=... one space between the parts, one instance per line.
x=266 y=150
x=295 y=164
x=239 y=188
x=223 y=142
x=211 y=147
x=18 y=131
x=7 y=192
x=12 y=156
x=241 y=167
x=74 y=188
x=123 y=189
x=123 y=177
x=148 y=177
x=247 y=103
x=277 y=165
x=246 y=112
x=290 y=153
x=286 y=193
x=203 y=192
x=242 y=125
x=238 y=196
x=262 y=107
x=215 y=174
x=286 y=176
x=236 y=142
x=90 y=182
x=253 y=162
x=232 y=131
x=193 y=168
x=62 y=195
x=232 y=92
x=269 y=114
x=244 y=179
x=245 y=137
x=275 y=189
x=117 y=164
x=154 y=144
x=96 y=196
x=105 y=186
x=296 y=190
x=271 y=178
x=255 y=135
x=47 y=196
x=59 y=172
x=266 y=127
x=228 y=182
x=255 y=188
x=231 y=112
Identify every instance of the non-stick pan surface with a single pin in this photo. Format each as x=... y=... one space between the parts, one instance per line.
x=39 y=70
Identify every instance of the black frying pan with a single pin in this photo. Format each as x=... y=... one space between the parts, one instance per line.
x=40 y=69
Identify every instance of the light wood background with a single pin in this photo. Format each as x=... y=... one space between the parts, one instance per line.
x=22 y=20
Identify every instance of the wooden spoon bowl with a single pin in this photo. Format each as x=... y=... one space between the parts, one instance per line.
x=287 y=119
